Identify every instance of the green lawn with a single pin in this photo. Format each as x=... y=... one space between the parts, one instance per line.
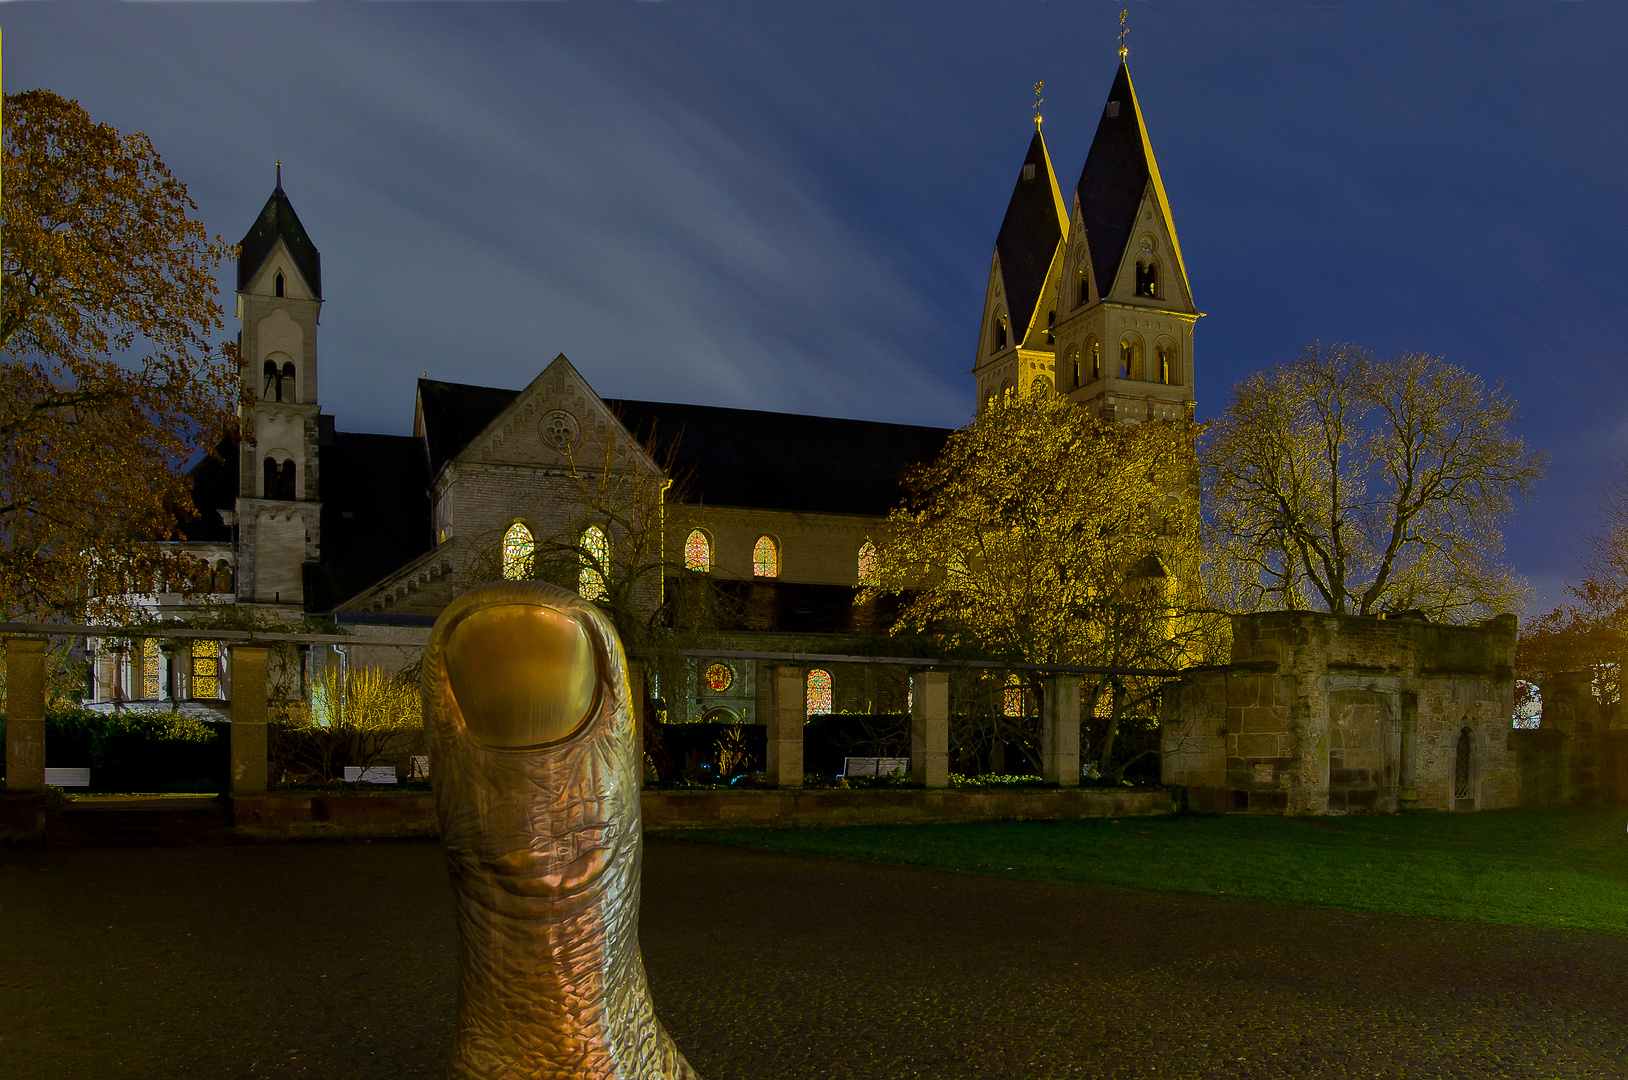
x=1554 y=868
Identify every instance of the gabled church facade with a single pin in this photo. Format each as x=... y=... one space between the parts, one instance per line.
x=379 y=532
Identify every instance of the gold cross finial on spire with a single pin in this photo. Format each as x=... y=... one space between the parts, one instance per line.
x=279 y=172
x=1122 y=32
x=1037 y=102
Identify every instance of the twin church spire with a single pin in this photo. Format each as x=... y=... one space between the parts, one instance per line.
x=1091 y=297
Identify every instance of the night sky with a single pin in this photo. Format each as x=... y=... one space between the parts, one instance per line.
x=792 y=206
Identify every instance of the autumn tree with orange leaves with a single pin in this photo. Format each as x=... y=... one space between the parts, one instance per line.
x=111 y=379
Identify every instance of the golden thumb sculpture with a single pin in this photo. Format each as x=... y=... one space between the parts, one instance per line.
x=537 y=778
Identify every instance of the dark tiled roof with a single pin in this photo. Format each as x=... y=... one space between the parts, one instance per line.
x=1029 y=236
x=375 y=513
x=1112 y=183
x=725 y=457
x=454 y=413
x=279 y=220
x=780 y=461
x=214 y=490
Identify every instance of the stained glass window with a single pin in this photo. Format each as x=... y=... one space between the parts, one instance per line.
x=766 y=557
x=595 y=559
x=697 y=552
x=819 y=692
x=152 y=669
x=1014 y=696
x=206 y=669
x=719 y=678
x=870 y=569
x=517 y=552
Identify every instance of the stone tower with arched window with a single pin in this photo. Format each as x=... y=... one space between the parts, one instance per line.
x=1016 y=346
x=1125 y=314
x=279 y=298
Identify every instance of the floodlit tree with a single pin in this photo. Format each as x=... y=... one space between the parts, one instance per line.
x=111 y=382
x=1043 y=535
x=1360 y=486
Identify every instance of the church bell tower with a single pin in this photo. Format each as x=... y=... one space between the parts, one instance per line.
x=1125 y=313
x=279 y=299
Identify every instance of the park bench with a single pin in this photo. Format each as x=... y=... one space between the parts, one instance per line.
x=67 y=777
x=874 y=766
x=373 y=774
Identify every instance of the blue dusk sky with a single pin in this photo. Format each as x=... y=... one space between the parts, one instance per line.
x=791 y=206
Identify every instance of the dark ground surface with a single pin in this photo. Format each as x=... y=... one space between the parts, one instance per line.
x=337 y=960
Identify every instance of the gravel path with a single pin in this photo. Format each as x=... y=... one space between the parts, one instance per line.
x=336 y=960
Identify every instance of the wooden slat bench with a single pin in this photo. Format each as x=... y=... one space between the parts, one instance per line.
x=874 y=766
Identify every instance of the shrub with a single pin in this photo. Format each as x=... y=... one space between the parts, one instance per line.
x=362 y=718
x=138 y=751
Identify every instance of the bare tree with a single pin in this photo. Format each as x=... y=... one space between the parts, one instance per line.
x=1359 y=486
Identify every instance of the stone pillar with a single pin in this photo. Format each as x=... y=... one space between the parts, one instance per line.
x=25 y=714
x=248 y=712
x=930 y=729
x=787 y=714
x=1060 y=731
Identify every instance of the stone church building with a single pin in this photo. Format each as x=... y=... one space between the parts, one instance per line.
x=299 y=520
x=378 y=532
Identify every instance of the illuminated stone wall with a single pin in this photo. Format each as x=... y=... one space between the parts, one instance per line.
x=1332 y=714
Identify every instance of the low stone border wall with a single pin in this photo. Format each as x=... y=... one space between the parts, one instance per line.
x=366 y=817
x=730 y=809
x=22 y=817
x=338 y=817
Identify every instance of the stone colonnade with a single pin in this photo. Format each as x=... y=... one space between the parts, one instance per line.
x=25 y=716
x=929 y=727
x=24 y=659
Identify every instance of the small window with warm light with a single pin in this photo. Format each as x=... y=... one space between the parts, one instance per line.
x=697 y=552
x=765 y=557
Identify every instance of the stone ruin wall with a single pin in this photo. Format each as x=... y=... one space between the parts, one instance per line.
x=1332 y=714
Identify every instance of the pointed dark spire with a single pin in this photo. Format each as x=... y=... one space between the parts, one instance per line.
x=277 y=220
x=1115 y=177
x=1029 y=235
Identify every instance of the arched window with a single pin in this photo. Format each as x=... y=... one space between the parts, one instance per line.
x=518 y=548
x=1167 y=365
x=1012 y=699
x=273 y=390
x=1096 y=360
x=268 y=487
x=286 y=391
x=1008 y=393
x=223 y=576
x=1130 y=358
x=819 y=692
x=1039 y=384
x=1084 y=290
x=1051 y=325
x=285 y=480
x=592 y=578
x=765 y=557
x=1072 y=364
x=279 y=283
x=870 y=567
x=999 y=342
x=1147 y=279
x=697 y=552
